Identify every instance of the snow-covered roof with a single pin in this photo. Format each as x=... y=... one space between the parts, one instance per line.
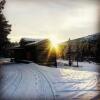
x=30 y=39
x=37 y=42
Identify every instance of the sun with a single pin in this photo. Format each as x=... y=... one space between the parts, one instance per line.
x=54 y=45
x=54 y=41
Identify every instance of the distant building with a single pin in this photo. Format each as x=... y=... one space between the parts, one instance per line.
x=38 y=51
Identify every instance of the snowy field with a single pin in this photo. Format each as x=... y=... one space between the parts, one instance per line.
x=32 y=81
x=83 y=66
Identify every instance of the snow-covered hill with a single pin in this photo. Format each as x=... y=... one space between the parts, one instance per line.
x=32 y=81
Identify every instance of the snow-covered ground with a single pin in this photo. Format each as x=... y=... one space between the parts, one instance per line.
x=32 y=81
x=24 y=81
x=83 y=66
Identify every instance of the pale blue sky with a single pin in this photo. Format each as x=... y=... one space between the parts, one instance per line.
x=59 y=18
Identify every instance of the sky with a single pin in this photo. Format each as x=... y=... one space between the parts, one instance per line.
x=62 y=19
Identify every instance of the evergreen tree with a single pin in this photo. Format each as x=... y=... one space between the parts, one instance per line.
x=77 y=52
x=5 y=28
x=98 y=49
x=69 y=52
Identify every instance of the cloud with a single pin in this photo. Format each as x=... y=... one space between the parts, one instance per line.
x=64 y=17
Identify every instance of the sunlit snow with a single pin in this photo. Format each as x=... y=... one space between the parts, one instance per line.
x=32 y=81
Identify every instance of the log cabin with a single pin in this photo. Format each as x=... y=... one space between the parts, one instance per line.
x=39 y=51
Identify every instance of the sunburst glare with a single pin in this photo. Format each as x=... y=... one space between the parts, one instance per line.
x=54 y=44
x=54 y=41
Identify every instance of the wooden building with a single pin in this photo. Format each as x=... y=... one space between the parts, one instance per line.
x=38 y=51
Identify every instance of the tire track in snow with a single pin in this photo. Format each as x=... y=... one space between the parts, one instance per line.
x=7 y=80
x=18 y=82
x=53 y=93
x=29 y=78
x=40 y=73
x=11 y=86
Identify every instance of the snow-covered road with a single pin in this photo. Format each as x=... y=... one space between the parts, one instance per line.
x=24 y=81
x=32 y=81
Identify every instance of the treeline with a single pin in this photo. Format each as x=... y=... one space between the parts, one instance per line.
x=5 y=29
x=86 y=48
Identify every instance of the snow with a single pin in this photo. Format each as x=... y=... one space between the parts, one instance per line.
x=86 y=66
x=24 y=81
x=32 y=81
x=33 y=43
x=30 y=39
x=72 y=84
x=37 y=42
